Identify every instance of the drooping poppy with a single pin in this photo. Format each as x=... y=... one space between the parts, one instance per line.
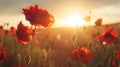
x=85 y=55
x=98 y=22
x=38 y=16
x=23 y=33
x=108 y=36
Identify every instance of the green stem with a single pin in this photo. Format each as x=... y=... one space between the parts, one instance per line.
x=31 y=29
x=35 y=29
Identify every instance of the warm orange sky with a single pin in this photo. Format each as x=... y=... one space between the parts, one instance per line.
x=11 y=10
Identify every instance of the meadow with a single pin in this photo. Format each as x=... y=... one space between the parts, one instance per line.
x=52 y=47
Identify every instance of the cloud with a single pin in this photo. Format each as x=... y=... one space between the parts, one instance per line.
x=110 y=13
x=15 y=6
x=107 y=9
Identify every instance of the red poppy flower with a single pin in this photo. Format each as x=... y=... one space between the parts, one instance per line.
x=2 y=54
x=38 y=16
x=12 y=31
x=6 y=32
x=98 y=22
x=74 y=54
x=85 y=55
x=108 y=36
x=1 y=27
x=23 y=33
x=117 y=56
x=8 y=57
x=112 y=63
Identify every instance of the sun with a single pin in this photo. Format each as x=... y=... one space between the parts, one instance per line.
x=74 y=20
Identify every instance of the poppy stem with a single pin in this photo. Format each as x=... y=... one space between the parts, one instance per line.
x=31 y=32
x=90 y=16
x=31 y=28
x=35 y=29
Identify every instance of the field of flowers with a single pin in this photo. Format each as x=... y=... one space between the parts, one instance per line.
x=53 y=48
x=88 y=46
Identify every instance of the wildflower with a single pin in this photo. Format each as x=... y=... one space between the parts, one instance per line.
x=98 y=22
x=83 y=54
x=117 y=56
x=74 y=54
x=23 y=33
x=38 y=16
x=108 y=36
x=12 y=31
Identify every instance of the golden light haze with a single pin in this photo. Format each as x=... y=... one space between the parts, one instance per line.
x=66 y=12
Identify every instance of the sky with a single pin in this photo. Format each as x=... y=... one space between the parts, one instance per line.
x=108 y=10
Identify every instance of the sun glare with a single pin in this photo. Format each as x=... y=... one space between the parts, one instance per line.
x=74 y=20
